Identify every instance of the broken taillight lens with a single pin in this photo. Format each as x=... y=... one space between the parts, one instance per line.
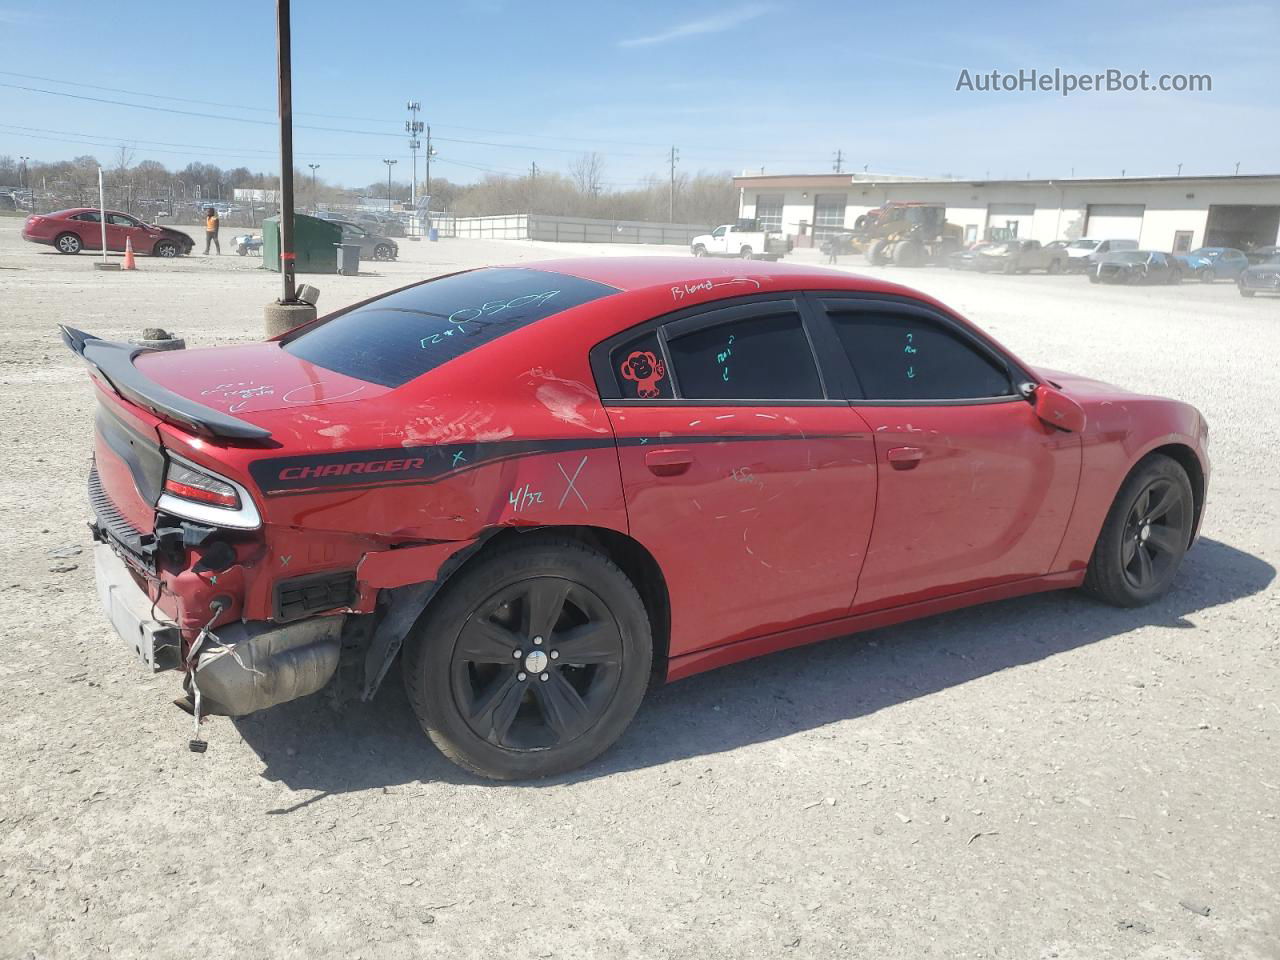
x=189 y=484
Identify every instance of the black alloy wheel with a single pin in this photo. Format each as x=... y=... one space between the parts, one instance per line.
x=1155 y=533
x=1145 y=535
x=531 y=660
x=537 y=664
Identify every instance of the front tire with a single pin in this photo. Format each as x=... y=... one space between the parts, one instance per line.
x=68 y=243
x=1247 y=293
x=382 y=252
x=1206 y=275
x=1145 y=536
x=474 y=664
x=165 y=248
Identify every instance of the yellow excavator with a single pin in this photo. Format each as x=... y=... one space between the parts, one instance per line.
x=907 y=234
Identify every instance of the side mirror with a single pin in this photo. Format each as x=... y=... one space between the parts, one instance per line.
x=1057 y=409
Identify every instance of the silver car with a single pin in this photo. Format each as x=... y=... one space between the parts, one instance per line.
x=373 y=246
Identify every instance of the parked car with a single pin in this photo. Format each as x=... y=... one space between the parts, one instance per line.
x=80 y=228
x=740 y=240
x=1020 y=256
x=1216 y=263
x=1263 y=254
x=1260 y=278
x=632 y=470
x=1085 y=253
x=1137 y=266
x=967 y=259
x=373 y=246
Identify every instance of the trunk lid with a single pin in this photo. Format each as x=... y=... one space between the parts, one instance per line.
x=251 y=378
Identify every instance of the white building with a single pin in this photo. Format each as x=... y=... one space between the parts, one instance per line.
x=1161 y=213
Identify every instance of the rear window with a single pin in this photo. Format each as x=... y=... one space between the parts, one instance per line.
x=403 y=335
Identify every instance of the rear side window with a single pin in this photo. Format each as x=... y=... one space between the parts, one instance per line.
x=403 y=335
x=640 y=371
x=761 y=358
x=902 y=356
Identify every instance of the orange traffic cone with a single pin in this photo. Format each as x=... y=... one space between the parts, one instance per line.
x=129 y=263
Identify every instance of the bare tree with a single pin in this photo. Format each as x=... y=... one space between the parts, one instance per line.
x=124 y=157
x=587 y=173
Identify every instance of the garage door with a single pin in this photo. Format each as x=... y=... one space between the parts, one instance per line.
x=1015 y=217
x=769 y=211
x=1114 y=221
x=1243 y=226
x=828 y=212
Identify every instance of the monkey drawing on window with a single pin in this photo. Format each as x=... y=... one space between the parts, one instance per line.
x=644 y=369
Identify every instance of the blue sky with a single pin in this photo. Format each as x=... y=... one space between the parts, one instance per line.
x=735 y=85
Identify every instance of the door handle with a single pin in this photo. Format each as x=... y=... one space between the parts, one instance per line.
x=668 y=462
x=905 y=458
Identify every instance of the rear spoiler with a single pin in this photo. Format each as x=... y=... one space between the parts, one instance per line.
x=114 y=363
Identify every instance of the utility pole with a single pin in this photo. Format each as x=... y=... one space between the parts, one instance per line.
x=413 y=127
x=287 y=312
x=1179 y=169
x=671 y=212
x=1237 y=168
x=533 y=183
x=284 y=56
x=315 y=207
x=26 y=182
x=838 y=166
x=390 y=164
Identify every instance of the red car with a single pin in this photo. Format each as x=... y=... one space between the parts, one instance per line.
x=80 y=228
x=552 y=485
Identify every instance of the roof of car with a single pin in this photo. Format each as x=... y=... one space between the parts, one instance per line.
x=637 y=273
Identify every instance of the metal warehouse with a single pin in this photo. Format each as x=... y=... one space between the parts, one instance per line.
x=1161 y=213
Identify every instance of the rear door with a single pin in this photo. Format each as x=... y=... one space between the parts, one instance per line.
x=88 y=227
x=975 y=490
x=751 y=483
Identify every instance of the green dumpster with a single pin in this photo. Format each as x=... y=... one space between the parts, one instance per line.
x=313 y=244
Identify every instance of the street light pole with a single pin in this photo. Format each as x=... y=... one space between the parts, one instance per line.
x=26 y=182
x=390 y=164
x=315 y=207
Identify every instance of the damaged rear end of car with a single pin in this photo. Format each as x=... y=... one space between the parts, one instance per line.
x=182 y=555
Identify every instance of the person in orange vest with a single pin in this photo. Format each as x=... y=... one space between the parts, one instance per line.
x=211 y=224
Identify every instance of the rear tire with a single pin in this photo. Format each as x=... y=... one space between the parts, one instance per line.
x=1206 y=275
x=1054 y=268
x=1247 y=293
x=1145 y=536
x=875 y=255
x=745 y=253
x=489 y=710
x=67 y=243
x=908 y=253
x=699 y=251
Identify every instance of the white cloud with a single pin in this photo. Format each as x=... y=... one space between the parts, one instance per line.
x=714 y=24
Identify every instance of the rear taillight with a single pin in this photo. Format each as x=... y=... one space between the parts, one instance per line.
x=195 y=485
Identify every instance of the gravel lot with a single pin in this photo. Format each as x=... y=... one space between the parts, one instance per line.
x=1043 y=777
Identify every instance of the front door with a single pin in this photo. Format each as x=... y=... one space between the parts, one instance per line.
x=752 y=487
x=975 y=490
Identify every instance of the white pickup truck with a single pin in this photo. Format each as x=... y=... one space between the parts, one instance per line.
x=740 y=240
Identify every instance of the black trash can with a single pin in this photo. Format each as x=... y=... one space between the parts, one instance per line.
x=348 y=259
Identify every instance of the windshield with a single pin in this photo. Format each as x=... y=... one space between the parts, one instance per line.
x=403 y=335
x=1209 y=253
x=1082 y=244
x=1129 y=256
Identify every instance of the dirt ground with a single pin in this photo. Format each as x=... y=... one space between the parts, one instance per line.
x=1044 y=777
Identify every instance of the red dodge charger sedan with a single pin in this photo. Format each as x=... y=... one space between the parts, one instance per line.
x=550 y=486
x=80 y=228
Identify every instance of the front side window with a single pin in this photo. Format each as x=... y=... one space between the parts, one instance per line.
x=120 y=220
x=393 y=339
x=905 y=356
x=718 y=232
x=759 y=358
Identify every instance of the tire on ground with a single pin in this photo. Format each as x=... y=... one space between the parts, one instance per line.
x=1106 y=577
x=429 y=650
